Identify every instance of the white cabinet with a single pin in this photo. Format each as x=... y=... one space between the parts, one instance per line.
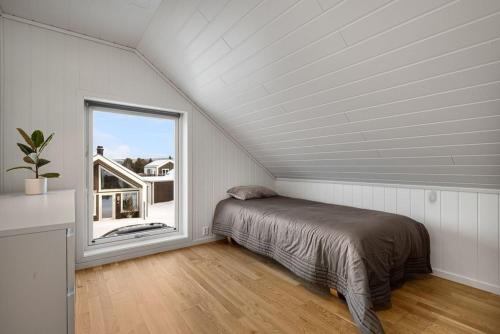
x=37 y=263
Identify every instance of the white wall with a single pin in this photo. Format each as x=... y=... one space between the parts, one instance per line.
x=46 y=75
x=463 y=223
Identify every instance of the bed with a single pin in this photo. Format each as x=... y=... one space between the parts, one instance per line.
x=360 y=253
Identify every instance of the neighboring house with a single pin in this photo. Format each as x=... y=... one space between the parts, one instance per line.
x=159 y=167
x=118 y=191
x=161 y=188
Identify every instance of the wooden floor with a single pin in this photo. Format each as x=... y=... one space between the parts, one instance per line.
x=219 y=288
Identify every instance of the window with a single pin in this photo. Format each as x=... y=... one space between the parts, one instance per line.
x=111 y=181
x=128 y=200
x=107 y=209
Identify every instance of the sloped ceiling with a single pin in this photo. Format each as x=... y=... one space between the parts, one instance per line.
x=118 y=21
x=380 y=91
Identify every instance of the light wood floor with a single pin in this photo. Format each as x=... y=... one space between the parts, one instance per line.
x=218 y=288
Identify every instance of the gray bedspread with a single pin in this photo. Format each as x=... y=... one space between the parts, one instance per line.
x=360 y=253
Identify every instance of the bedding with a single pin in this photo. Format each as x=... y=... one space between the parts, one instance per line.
x=360 y=253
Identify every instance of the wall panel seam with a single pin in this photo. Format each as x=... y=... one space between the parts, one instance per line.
x=355 y=44
x=371 y=106
x=359 y=42
x=470 y=68
x=361 y=121
x=394 y=185
x=375 y=130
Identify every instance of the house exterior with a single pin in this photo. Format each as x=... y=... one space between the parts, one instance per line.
x=121 y=193
x=118 y=192
x=159 y=167
x=160 y=188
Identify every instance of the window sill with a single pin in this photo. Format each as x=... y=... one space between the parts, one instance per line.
x=131 y=248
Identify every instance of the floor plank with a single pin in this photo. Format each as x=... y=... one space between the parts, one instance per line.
x=222 y=288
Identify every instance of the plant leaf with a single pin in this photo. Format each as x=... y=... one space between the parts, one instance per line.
x=28 y=160
x=25 y=148
x=50 y=175
x=37 y=138
x=46 y=142
x=33 y=156
x=20 y=167
x=26 y=138
x=42 y=162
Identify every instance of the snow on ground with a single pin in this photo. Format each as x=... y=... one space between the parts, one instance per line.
x=157 y=213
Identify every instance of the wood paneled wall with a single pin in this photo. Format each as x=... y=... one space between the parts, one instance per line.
x=46 y=75
x=382 y=91
x=218 y=165
x=463 y=224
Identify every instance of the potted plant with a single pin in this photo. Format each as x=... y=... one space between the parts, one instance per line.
x=128 y=207
x=36 y=143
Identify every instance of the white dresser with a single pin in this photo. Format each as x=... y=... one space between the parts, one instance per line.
x=37 y=265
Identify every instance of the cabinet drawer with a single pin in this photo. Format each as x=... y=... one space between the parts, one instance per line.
x=33 y=293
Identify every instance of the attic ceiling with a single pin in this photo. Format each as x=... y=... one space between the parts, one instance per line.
x=118 y=21
x=379 y=91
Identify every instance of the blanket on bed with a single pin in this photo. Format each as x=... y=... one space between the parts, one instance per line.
x=360 y=253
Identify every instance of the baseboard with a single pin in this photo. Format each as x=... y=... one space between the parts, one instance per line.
x=467 y=281
x=143 y=252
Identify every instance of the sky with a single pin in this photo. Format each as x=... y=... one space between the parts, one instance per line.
x=131 y=136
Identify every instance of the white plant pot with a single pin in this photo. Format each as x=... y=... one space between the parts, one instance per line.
x=35 y=186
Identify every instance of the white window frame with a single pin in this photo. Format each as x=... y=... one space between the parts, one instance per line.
x=97 y=252
x=94 y=213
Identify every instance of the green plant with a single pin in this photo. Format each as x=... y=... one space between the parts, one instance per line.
x=128 y=204
x=36 y=145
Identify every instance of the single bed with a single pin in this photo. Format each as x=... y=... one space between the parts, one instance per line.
x=360 y=253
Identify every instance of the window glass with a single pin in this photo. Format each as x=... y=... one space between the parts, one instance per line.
x=131 y=199
x=129 y=202
x=111 y=181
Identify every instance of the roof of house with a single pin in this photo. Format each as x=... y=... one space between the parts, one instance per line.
x=159 y=163
x=160 y=178
x=122 y=169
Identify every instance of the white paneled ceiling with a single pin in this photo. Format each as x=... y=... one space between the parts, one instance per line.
x=380 y=91
x=118 y=21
